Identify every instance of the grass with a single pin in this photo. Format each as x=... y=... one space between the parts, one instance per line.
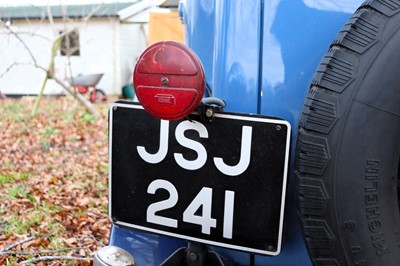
x=5 y=178
x=17 y=191
x=53 y=178
x=88 y=118
x=13 y=110
x=46 y=136
x=22 y=225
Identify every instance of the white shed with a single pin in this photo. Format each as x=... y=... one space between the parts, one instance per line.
x=109 y=42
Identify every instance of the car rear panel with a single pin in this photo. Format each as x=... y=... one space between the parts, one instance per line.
x=258 y=58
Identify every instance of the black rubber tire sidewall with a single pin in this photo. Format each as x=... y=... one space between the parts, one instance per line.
x=99 y=96
x=347 y=153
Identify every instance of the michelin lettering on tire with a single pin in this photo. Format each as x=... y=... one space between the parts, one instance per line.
x=348 y=146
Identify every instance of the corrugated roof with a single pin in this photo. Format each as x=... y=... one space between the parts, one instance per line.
x=169 y=3
x=72 y=11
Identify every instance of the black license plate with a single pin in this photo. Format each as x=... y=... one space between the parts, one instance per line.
x=221 y=183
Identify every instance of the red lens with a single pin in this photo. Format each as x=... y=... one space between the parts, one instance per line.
x=169 y=80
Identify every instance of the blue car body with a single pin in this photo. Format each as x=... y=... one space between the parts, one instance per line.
x=259 y=57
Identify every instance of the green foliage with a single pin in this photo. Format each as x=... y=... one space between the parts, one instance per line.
x=6 y=178
x=13 y=110
x=49 y=131
x=20 y=225
x=88 y=118
x=46 y=135
x=19 y=191
x=53 y=176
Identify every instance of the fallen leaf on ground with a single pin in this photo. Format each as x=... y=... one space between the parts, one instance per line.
x=53 y=181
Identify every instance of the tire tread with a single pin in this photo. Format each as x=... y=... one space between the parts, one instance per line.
x=321 y=112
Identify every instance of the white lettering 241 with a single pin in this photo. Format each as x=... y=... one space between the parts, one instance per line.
x=230 y=170
x=202 y=201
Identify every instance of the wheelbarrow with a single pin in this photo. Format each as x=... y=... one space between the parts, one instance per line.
x=86 y=84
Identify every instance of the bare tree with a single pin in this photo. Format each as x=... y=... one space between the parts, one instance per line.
x=49 y=70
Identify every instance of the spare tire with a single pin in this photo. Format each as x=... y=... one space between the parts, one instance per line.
x=348 y=145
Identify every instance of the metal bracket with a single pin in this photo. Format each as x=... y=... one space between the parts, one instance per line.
x=196 y=254
x=208 y=106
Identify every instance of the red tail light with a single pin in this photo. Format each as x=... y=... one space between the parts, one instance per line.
x=169 y=80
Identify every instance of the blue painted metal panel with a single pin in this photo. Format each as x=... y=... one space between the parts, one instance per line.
x=200 y=37
x=296 y=35
x=236 y=54
x=147 y=249
x=258 y=57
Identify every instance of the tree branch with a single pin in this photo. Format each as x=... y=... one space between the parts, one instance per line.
x=8 y=69
x=29 y=34
x=77 y=96
x=46 y=258
x=51 y=20
x=94 y=10
x=38 y=252
x=50 y=70
x=17 y=243
x=21 y=41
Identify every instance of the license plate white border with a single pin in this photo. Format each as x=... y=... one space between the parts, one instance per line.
x=209 y=242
